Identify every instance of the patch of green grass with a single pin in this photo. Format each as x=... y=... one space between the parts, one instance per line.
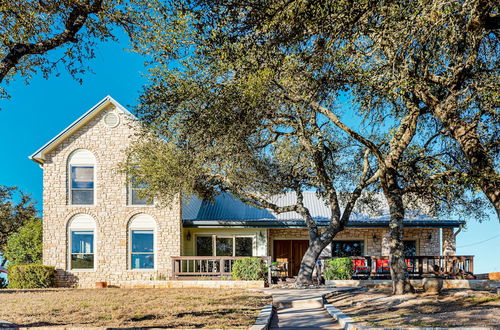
x=105 y=317
x=424 y=324
x=84 y=304
x=484 y=299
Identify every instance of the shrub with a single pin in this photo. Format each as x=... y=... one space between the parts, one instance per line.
x=249 y=269
x=31 y=276
x=338 y=269
x=25 y=245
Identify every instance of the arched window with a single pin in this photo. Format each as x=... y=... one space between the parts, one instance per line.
x=81 y=239
x=81 y=169
x=142 y=242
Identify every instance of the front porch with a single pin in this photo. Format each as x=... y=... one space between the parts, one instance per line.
x=365 y=267
x=211 y=252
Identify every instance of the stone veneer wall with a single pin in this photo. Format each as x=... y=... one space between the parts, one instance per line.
x=110 y=211
x=449 y=242
x=428 y=241
x=378 y=247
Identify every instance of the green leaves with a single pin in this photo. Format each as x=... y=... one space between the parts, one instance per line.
x=25 y=245
x=29 y=29
x=15 y=209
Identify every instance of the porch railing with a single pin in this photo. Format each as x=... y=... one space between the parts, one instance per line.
x=188 y=267
x=417 y=266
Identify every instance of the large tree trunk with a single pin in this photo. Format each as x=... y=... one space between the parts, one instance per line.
x=481 y=163
x=316 y=246
x=399 y=274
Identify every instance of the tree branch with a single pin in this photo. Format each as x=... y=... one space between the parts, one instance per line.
x=75 y=21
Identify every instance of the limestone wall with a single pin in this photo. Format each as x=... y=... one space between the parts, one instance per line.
x=111 y=210
x=375 y=239
x=449 y=242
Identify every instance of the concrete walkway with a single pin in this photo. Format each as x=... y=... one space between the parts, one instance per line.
x=301 y=308
x=303 y=317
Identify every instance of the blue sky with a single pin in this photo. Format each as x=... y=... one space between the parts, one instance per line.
x=38 y=111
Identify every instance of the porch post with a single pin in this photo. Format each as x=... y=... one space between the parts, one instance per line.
x=449 y=242
x=385 y=244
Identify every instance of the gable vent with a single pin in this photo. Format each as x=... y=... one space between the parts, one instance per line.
x=111 y=119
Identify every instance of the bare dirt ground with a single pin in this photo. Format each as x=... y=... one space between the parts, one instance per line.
x=172 y=308
x=376 y=307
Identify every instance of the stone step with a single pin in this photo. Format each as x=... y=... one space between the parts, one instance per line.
x=297 y=303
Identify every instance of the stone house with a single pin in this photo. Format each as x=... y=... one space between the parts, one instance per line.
x=96 y=228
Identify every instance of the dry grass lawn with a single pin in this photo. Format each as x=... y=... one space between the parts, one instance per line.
x=172 y=308
x=452 y=308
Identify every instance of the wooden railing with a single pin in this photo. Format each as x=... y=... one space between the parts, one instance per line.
x=188 y=267
x=417 y=266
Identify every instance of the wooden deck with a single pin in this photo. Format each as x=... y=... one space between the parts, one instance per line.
x=364 y=267
x=417 y=266
x=196 y=267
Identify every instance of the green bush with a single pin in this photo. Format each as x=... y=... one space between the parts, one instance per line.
x=31 y=276
x=249 y=269
x=25 y=245
x=338 y=269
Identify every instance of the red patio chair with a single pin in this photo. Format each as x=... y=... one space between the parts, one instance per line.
x=359 y=266
x=382 y=266
x=409 y=265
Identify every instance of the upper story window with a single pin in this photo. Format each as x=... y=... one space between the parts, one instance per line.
x=134 y=189
x=82 y=165
x=81 y=238
x=142 y=238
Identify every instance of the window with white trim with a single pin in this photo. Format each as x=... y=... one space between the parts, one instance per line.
x=225 y=246
x=81 y=238
x=134 y=189
x=142 y=246
x=81 y=169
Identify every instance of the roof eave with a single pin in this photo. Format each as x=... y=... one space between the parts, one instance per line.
x=301 y=224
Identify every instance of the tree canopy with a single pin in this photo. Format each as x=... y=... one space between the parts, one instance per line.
x=246 y=97
x=30 y=29
x=25 y=245
x=15 y=209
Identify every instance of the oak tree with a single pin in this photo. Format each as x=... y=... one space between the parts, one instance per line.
x=284 y=66
x=43 y=35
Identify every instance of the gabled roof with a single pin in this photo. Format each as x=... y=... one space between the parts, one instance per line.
x=39 y=155
x=228 y=211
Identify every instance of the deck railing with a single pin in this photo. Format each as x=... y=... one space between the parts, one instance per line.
x=417 y=266
x=195 y=267
x=189 y=267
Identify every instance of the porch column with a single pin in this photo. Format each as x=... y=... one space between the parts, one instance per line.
x=385 y=243
x=327 y=252
x=449 y=243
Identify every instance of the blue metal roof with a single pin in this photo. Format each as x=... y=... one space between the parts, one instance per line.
x=228 y=211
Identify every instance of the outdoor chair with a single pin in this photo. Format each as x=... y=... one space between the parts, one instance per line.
x=359 y=266
x=382 y=265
